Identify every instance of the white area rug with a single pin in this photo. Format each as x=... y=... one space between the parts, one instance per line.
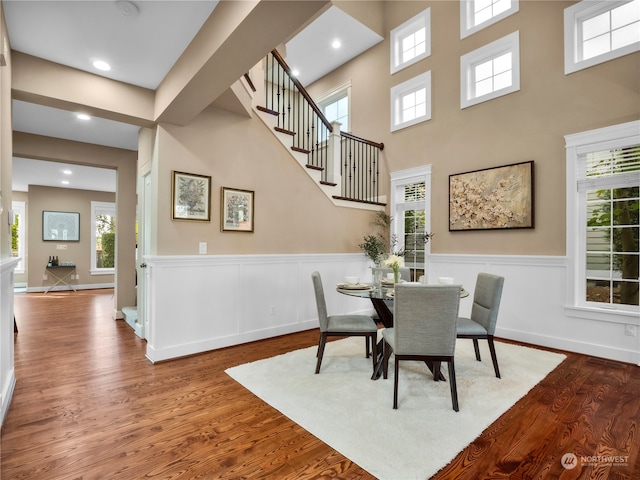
x=353 y=414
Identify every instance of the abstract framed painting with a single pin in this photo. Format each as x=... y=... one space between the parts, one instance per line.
x=492 y=198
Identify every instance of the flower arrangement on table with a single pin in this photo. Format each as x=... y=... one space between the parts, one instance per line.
x=394 y=261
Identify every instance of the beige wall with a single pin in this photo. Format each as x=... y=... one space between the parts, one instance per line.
x=525 y=125
x=79 y=253
x=292 y=215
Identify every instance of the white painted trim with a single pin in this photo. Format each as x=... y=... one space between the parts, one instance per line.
x=421 y=20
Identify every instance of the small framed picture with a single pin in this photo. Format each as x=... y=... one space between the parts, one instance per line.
x=191 y=197
x=236 y=210
x=61 y=226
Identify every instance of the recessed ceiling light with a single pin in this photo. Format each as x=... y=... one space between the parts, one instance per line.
x=83 y=116
x=65 y=182
x=67 y=172
x=295 y=72
x=336 y=44
x=102 y=65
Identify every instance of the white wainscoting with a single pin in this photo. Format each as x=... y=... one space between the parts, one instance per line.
x=204 y=302
x=532 y=309
x=7 y=371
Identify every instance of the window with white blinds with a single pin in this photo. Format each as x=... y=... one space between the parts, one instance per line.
x=410 y=207
x=606 y=224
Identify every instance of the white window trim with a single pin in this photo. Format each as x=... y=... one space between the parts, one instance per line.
x=399 y=91
x=335 y=94
x=19 y=208
x=94 y=207
x=399 y=180
x=467 y=26
x=600 y=139
x=573 y=15
x=510 y=43
x=421 y=20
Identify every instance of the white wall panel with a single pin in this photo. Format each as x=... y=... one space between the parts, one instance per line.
x=200 y=303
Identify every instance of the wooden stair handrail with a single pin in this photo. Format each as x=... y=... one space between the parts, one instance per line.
x=302 y=90
x=358 y=139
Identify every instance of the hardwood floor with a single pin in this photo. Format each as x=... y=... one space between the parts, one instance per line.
x=88 y=405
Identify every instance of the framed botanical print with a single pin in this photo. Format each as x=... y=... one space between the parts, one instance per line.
x=191 y=197
x=236 y=210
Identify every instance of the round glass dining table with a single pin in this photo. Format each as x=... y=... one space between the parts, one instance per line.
x=382 y=300
x=381 y=297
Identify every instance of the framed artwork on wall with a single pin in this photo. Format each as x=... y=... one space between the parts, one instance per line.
x=60 y=226
x=236 y=210
x=190 y=197
x=493 y=198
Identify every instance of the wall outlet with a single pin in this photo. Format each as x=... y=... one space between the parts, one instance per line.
x=630 y=330
x=202 y=248
x=61 y=247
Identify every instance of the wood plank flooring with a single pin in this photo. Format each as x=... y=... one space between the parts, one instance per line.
x=88 y=405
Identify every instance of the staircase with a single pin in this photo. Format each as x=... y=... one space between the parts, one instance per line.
x=344 y=166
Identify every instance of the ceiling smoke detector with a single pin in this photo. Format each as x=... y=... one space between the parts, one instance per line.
x=128 y=9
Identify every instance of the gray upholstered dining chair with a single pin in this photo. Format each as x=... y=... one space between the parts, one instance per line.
x=342 y=325
x=484 y=315
x=424 y=328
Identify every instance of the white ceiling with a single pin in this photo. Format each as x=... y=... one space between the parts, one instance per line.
x=141 y=39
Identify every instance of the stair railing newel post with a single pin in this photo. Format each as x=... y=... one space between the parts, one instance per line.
x=334 y=149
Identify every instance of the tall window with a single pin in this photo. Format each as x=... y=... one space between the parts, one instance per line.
x=411 y=102
x=598 y=31
x=604 y=167
x=103 y=237
x=491 y=71
x=411 y=41
x=410 y=204
x=335 y=106
x=478 y=14
x=18 y=234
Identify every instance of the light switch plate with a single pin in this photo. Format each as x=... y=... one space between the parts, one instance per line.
x=202 y=249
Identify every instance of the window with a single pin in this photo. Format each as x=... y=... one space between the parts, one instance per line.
x=18 y=234
x=491 y=71
x=478 y=14
x=599 y=31
x=411 y=41
x=411 y=102
x=336 y=107
x=603 y=183
x=103 y=237
x=410 y=207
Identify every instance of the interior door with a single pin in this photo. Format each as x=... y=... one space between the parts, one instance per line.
x=143 y=249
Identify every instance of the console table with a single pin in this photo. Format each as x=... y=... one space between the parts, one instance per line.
x=60 y=273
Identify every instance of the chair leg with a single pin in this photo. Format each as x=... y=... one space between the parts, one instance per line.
x=395 y=383
x=386 y=353
x=492 y=349
x=366 y=343
x=452 y=384
x=323 y=341
x=436 y=371
x=476 y=348
x=374 y=350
